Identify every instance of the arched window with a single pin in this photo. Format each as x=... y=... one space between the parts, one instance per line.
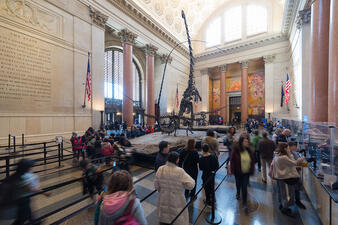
x=257 y=21
x=237 y=21
x=233 y=24
x=213 y=33
x=113 y=76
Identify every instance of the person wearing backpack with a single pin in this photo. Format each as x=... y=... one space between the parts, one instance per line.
x=119 y=205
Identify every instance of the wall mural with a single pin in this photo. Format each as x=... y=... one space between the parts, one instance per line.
x=233 y=84
x=256 y=94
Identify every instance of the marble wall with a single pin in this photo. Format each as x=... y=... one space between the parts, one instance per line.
x=44 y=49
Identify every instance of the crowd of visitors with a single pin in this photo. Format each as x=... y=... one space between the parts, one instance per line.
x=176 y=174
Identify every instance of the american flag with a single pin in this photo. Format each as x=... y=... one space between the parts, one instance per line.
x=88 y=81
x=177 y=101
x=287 y=89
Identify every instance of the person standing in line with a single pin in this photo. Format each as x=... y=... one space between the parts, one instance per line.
x=277 y=132
x=162 y=155
x=208 y=163
x=119 y=204
x=266 y=148
x=255 y=140
x=242 y=165
x=170 y=182
x=212 y=142
x=188 y=161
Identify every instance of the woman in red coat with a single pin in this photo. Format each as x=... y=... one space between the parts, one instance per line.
x=106 y=150
x=242 y=165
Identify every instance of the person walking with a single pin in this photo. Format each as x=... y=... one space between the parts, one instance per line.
x=255 y=140
x=242 y=165
x=266 y=148
x=170 y=182
x=162 y=155
x=189 y=162
x=212 y=142
x=20 y=186
x=208 y=163
x=119 y=204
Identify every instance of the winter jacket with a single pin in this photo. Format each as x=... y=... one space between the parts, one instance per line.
x=266 y=147
x=106 y=149
x=160 y=160
x=208 y=164
x=114 y=205
x=189 y=161
x=284 y=167
x=235 y=161
x=170 y=182
x=255 y=140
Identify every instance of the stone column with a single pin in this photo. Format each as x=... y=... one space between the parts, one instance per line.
x=303 y=24
x=244 y=90
x=333 y=66
x=150 y=53
x=269 y=87
x=223 y=70
x=128 y=40
x=204 y=89
x=165 y=96
x=320 y=16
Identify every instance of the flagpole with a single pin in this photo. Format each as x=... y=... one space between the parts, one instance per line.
x=84 y=97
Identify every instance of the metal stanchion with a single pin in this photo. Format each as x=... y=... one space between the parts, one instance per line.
x=44 y=153
x=213 y=217
x=59 y=154
x=23 y=140
x=62 y=149
x=7 y=166
x=9 y=141
x=14 y=145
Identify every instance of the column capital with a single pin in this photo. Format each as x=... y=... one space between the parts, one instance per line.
x=109 y=30
x=223 y=68
x=98 y=17
x=303 y=17
x=164 y=57
x=127 y=36
x=269 y=58
x=150 y=49
x=244 y=64
x=205 y=71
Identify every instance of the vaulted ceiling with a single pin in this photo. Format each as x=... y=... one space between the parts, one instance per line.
x=168 y=13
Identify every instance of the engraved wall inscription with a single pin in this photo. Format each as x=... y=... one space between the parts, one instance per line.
x=25 y=69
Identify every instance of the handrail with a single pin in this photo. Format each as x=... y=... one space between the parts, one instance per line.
x=3 y=155
x=75 y=202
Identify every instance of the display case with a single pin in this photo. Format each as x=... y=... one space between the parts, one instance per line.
x=317 y=142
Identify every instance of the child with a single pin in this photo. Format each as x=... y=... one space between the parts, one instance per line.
x=208 y=163
x=107 y=150
x=91 y=177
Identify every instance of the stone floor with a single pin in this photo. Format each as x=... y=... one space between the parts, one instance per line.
x=262 y=200
x=262 y=203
